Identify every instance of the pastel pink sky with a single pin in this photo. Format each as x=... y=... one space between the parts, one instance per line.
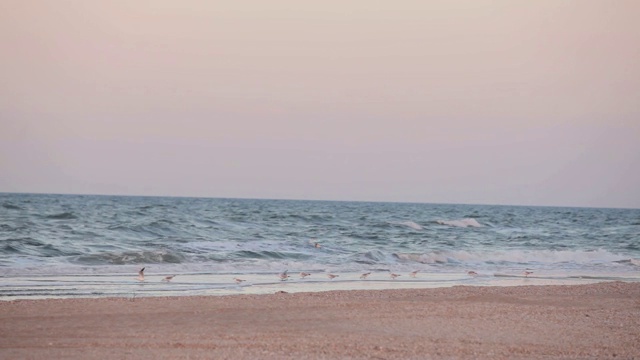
x=492 y=102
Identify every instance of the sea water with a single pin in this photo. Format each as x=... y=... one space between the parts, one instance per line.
x=93 y=246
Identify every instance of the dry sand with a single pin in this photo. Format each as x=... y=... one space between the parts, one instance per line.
x=595 y=321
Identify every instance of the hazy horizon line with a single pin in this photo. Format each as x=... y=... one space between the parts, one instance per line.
x=318 y=200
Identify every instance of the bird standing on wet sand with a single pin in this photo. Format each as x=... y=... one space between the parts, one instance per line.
x=332 y=276
x=238 y=281
x=141 y=275
x=394 y=275
x=527 y=273
x=364 y=276
x=283 y=275
x=472 y=273
x=304 y=275
x=414 y=273
x=168 y=278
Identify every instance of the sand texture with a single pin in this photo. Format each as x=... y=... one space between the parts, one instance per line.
x=597 y=321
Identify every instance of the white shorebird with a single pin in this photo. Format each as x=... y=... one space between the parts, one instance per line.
x=284 y=276
x=472 y=273
x=238 y=280
x=527 y=273
x=394 y=275
x=414 y=273
x=168 y=278
x=304 y=275
x=141 y=275
x=332 y=276
x=364 y=276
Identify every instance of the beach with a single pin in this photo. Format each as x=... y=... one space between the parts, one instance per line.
x=594 y=321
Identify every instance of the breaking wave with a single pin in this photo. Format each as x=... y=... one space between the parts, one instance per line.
x=467 y=222
x=130 y=257
x=409 y=224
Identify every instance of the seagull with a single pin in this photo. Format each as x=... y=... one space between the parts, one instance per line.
x=304 y=275
x=414 y=273
x=364 y=276
x=332 y=276
x=394 y=275
x=141 y=275
x=527 y=273
x=168 y=278
x=238 y=281
x=284 y=276
x=472 y=273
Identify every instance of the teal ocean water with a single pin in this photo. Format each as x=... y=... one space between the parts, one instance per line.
x=92 y=246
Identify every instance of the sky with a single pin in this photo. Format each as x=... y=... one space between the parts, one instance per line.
x=456 y=101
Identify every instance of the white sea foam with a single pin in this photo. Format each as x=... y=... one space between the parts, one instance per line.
x=515 y=256
x=410 y=224
x=467 y=222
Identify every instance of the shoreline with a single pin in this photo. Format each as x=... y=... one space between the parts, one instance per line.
x=94 y=286
x=529 y=322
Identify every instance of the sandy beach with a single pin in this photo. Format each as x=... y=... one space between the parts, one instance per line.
x=594 y=321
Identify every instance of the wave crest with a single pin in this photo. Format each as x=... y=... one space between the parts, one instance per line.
x=466 y=222
x=409 y=224
x=62 y=216
x=11 y=206
x=130 y=257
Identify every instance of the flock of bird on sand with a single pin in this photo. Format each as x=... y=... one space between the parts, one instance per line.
x=285 y=276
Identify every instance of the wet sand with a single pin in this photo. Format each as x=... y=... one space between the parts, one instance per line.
x=596 y=321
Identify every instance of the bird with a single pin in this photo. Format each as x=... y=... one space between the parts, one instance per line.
x=168 y=278
x=238 y=280
x=527 y=273
x=141 y=275
x=414 y=273
x=364 y=276
x=332 y=276
x=472 y=273
x=304 y=275
x=283 y=275
x=394 y=275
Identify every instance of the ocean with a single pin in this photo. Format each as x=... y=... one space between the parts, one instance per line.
x=61 y=246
